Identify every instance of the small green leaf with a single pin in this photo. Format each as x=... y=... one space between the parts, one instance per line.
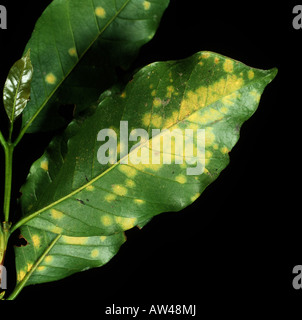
x=16 y=90
x=69 y=192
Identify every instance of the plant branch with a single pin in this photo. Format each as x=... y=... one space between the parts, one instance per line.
x=9 y=149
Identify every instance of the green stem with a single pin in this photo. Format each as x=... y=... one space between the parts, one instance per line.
x=9 y=149
x=2 y=140
x=23 y=282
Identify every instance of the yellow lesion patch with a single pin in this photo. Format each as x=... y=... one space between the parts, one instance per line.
x=72 y=52
x=157 y=102
x=170 y=91
x=20 y=276
x=224 y=150
x=123 y=95
x=195 y=197
x=90 y=188
x=125 y=223
x=228 y=66
x=147 y=5
x=103 y=238
x=139 y=201
x=56 y=229
x=50 y=78
x=36 y=240
x=119 y=190
x=110 y=197
x=74 y=240
x=205 y=55
x=251 y=74
x=100 y=12
x=55 y=214
x=95 y=253
x=146 y=119
x=106 y=220
x=44 y=165
x=48 y=259
x=209 y=137
x=223 y=89
x=181 y=179
x=41 y=268
x=157 y=121
x=130 y=183
x=127 y=170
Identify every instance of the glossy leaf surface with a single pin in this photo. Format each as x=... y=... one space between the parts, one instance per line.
x=76 y=47
x=68 y=191
x=16 y=90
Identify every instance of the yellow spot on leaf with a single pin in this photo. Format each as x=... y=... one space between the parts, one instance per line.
x=57 y=230
x=157 y=102
x=251 y=74
x=21 y=275
x=55 y=214
x=41 y=268
x=119 y=190
x=139 y=201
x=100 y=12
x=95 y=253
x=181 y=179
x=153 y=93
x=147 y=5
x=127 y=170
x=103 y=238
x=90 y=188
x=170 y=90
x=224 y=150
x=146 y=119
x=36 y=240
x=130 y=183
x=74 y=240
x=44 y=165
x=50 y=78
x=205 y=55
x=195 y=197
x=209 y=136
x=216 y=60
x=48 y=259
x=72 y=52
x=123 y=95
x=110 y=197
x=228 y=66
x=29 y=266
x=157 y=121
x=125 y=223
x=106 y=220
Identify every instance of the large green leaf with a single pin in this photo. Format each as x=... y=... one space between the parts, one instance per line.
x=68 y=192
x=76 y=47
x=16 y=90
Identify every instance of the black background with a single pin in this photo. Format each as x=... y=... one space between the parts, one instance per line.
x=237 y=244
